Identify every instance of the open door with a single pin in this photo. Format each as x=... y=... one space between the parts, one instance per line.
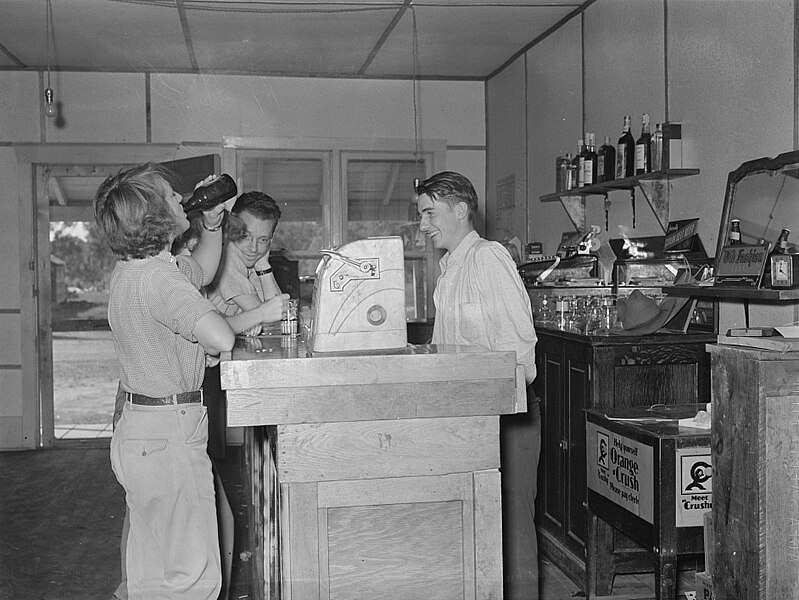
x=79 y=375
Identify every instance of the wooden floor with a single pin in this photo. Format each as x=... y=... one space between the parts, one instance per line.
x=61 y=515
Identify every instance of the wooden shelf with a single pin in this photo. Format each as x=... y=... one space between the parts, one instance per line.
x=730 y=292
x=653 y=185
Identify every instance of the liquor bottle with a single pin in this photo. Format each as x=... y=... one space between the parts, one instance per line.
x=561 y=164
x=577 y=161
x=606 y=162
x=590 y=161
x=571 y=173
x=625 y=152
x=735 y=233
x=657 y=149
x=643 y=149
x=211 y=194
x=781 y=247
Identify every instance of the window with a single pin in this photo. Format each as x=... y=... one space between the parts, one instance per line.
x=330 y=196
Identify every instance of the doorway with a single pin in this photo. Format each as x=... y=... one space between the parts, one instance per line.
x=83 y=379
x=78 y=368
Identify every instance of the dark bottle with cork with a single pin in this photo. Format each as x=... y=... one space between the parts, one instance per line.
x=215 y=192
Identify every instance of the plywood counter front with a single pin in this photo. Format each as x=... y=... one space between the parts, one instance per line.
x=375 y=475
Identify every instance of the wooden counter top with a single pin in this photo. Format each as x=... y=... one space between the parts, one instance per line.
x=272 y=380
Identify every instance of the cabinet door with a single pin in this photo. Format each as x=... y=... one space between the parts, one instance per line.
x=551 y=466
x=578 y=391
x=394 y=539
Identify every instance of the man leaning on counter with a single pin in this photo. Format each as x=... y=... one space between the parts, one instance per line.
x=480 y=301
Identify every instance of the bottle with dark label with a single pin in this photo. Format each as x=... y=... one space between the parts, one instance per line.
x=578 y=162
x=734 y=237
x=625 y=152
x=606 y=162
x=590 y=161
x=211 y=194
x=657 y=149
x=643 y=148
x=781 y=247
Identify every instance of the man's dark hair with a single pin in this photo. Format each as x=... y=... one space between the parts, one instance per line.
x=132 y=211
x=259 y=205
x=450 y=187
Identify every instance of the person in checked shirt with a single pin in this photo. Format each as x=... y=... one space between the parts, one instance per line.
x=163 y=328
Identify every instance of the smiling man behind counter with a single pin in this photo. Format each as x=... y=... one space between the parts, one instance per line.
x=480 y=301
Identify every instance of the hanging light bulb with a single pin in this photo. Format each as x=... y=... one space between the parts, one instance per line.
x=50 y=110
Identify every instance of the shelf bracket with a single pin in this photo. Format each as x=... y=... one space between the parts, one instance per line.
x=656 y=192
x=575 y=208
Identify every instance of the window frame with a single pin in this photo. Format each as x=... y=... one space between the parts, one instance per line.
x=335 y=153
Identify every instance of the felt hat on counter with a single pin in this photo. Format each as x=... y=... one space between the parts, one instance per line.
x=640 y=315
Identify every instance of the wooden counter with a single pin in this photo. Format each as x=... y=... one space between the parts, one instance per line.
x=373 y=475
x=755 y=449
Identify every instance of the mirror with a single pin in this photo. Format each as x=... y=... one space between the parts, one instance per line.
x=764 y=195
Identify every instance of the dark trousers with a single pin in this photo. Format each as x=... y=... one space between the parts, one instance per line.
x=520 y=448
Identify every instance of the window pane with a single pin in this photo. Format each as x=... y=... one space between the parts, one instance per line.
x=380 y=202
x=297 y=185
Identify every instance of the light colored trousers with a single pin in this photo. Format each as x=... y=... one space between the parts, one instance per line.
x=158 y=454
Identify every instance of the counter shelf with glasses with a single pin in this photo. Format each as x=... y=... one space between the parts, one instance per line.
x=585 y=366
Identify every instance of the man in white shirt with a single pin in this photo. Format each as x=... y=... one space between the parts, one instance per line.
x=480 y=301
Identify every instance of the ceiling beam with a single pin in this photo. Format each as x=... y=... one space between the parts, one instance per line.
x=387 y=32
x=184 y=24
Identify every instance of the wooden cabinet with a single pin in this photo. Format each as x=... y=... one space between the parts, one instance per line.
x=576 y=372
x=755 y=453
x=374 y=476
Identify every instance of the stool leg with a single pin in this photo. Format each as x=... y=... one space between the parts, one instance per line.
x=599 y=559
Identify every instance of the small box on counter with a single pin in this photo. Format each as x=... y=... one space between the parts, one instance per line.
x=672 y=146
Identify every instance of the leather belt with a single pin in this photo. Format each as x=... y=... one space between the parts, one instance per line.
x=184 y=398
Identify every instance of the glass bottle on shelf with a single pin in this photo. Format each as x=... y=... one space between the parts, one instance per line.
x=780 y=247
x=657 y=149
x=561 y=168
x=625 y=152
x=590 y=161
x=577 y=161
x=606 y=162
x=643 y=148
x=571 y=173
x=734 y=236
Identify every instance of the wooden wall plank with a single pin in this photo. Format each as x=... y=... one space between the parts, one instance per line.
x=488 y=535
x=302 y=404
x=396 y=448
x=245 y=372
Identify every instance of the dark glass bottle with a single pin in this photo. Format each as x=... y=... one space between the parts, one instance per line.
x=734 y=237
x=643 y=148
x=211 y=194
x=606 y=162
x=781 y=247
x=625 y=152
x=590 y=161
x=577 y=161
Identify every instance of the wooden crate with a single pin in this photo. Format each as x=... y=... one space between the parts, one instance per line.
x=755 y=448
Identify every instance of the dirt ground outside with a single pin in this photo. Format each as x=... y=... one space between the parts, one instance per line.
x=85 y=375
